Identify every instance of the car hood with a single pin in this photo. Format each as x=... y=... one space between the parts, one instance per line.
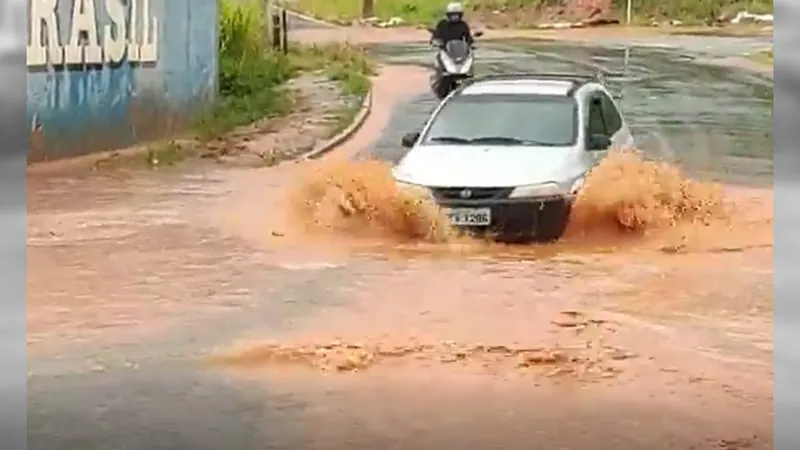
x=487 y=166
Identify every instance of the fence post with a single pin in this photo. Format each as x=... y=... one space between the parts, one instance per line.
x=285 y=31
x=276 y=30
x=367 y=9
x=266 y=28
x=628 y=12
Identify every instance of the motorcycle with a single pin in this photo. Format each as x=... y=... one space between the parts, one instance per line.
x=453 y=64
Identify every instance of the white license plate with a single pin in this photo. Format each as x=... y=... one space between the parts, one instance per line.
x=469 y=216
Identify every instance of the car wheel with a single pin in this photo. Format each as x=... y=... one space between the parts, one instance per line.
x=553 y=221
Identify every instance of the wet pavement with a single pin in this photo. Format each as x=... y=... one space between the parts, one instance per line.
x=134 y=277
x=714 y=120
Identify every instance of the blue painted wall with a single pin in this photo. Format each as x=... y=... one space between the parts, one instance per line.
x=79 y=109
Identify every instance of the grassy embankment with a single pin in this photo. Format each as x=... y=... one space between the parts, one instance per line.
x=427 y=11
x=252 y=77
x=764 y=57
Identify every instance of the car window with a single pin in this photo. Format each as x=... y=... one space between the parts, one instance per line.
x=491 y=118
x=611 y=116
x=596 y=122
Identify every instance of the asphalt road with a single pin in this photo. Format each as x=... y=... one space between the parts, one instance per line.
x=188 y=289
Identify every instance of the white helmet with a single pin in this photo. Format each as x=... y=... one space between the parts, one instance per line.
x=454 y=11
x=455 y=8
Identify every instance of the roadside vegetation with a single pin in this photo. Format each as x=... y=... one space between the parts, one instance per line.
x=348 y=65
x=764 y=57
x=250 y=75
x=253 y=76
x=529 y=12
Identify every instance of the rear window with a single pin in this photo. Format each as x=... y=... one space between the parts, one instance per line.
x=528 y=119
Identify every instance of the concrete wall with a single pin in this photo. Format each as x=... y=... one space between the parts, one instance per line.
x=128 y=71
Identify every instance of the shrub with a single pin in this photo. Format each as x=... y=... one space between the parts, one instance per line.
x=249 y=74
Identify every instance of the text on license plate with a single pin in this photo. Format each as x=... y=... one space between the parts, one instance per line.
x=469 y=216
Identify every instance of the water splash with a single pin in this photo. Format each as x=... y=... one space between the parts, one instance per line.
x=362 y=198
x=628 y=194
x=625 y=195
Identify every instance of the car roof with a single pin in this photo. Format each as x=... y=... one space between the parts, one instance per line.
x=531 y=84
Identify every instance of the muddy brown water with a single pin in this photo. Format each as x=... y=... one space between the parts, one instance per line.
x=332 y=340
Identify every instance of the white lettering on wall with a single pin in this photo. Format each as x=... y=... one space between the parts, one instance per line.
x=119 y=41
x=148 y=51
x=84 y=25
x=133 y=39
x=114 y=42
x=43 y=12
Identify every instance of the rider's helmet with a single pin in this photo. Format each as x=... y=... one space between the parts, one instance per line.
x=454 y=12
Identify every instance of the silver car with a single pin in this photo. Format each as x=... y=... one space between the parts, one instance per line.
x=507 y=154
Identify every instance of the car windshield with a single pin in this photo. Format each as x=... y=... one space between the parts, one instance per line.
x=514 y=119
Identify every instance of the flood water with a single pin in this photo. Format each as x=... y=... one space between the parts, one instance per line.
x=136 y=278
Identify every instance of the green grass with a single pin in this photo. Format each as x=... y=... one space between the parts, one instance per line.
x=165 y=154
x=250 y=74
x=765 y=57
x=427 y=11
x=349 y=65
x=691 y=12
x=413 y=11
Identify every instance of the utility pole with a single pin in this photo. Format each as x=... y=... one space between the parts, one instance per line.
x=367 y=9
x=266 y=21
x=628 y=12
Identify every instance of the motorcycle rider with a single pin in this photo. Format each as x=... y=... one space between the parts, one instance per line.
x=452 y=26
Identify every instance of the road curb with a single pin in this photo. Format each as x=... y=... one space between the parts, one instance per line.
x=344 y=135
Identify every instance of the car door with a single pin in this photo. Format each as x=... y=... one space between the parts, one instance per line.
x=619 y=133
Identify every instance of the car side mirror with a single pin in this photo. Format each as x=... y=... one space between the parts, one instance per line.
x=409 y=139
x=598 y=142
x=478 y=33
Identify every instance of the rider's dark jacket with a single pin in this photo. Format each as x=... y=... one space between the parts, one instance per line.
x=447 y=30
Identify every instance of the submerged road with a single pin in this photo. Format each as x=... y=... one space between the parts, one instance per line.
x=135 y=277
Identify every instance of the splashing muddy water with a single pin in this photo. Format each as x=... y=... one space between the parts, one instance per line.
x=362 y=198
x=625 y=195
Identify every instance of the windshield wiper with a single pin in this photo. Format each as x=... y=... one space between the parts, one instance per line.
x=500 y=140
x=451 y=139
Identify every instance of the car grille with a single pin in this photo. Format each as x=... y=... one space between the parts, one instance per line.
x=459 y=193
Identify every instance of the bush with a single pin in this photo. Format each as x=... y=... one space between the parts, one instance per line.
x=249 y=74
x=692 y=10
x=428 y=11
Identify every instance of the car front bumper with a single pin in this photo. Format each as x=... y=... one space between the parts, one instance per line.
x=510 y=217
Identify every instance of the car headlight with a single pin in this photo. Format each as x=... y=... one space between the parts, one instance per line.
x=413 y=189
x=537 y=190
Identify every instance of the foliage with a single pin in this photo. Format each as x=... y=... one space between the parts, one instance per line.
x=348 y=64
x=692 y=11
x=427 y=11
x=250 y=75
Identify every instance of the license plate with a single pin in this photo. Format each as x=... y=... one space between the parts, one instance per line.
x=469 y=216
